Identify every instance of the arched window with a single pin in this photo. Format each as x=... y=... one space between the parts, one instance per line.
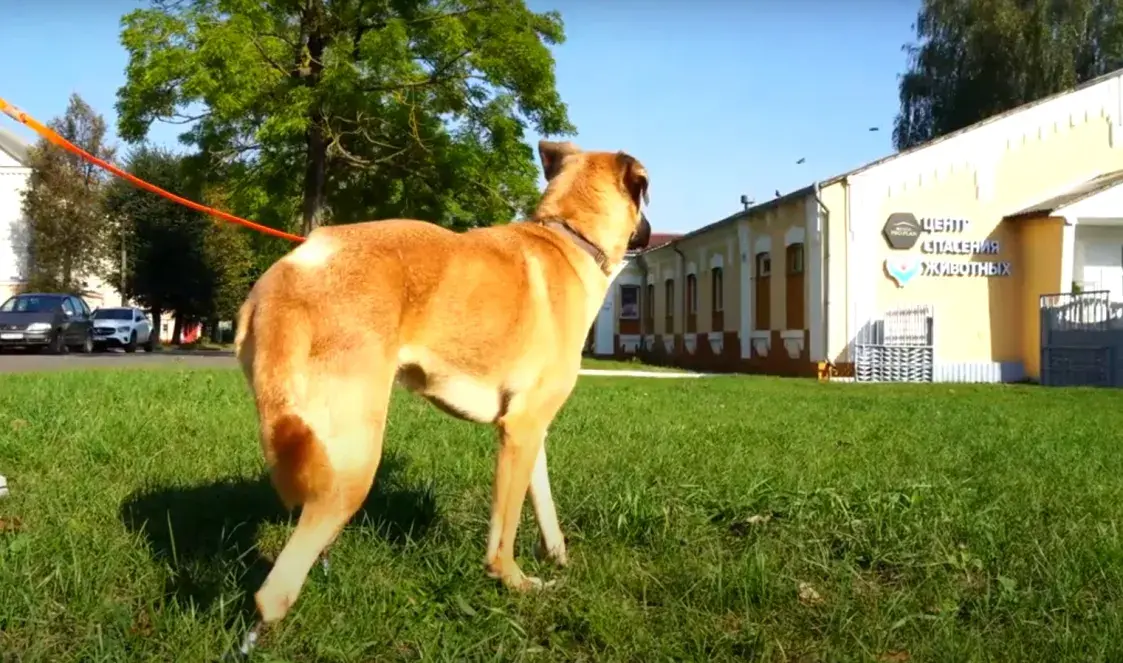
x=691 y=303
x=762 y=296
x=669 y=306
x=793 y=286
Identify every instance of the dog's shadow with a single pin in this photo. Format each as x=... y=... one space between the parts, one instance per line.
x=206 y=535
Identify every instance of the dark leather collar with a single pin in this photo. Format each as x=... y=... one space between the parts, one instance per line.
x=580 y=240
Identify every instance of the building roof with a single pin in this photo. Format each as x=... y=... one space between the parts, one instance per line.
x=659 y=239
x=1080 y=192
x=14 y=146
x=799 y=193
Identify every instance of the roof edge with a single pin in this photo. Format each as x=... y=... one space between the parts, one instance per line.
x=16 y=147
x=737 y=216
x=1118 y=73
x=997 y=117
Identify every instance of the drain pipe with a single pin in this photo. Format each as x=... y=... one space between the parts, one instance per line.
x=824 y=270
x=641 y=260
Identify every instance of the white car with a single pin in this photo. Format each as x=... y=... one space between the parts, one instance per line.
x=122 y=327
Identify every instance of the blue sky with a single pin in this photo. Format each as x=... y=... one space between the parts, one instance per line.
x=717 y=100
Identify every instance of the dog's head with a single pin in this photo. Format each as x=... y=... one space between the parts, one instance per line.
x=601 y=193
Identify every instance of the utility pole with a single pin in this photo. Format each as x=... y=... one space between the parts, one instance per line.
x=124 y=263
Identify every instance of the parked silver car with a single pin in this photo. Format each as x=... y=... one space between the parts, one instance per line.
x=122 y=327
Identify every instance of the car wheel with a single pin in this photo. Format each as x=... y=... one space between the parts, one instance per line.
x=57 y=346
x=87 y=345
x=150 y=344
x=131 y=345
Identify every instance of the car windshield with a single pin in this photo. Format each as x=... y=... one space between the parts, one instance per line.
x=30 y=304
x=113 y=314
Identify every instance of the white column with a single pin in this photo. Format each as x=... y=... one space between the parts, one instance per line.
x=604 y=331
x=861 y=259
x=814 y=265
x=745 y=287
x=1068 y=255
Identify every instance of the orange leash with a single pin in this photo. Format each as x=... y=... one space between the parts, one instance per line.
x=44 y=131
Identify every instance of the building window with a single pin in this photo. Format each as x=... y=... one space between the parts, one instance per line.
x=717 y=289
x=794 y=302
x=649 y=302
x=629 y=302
x=795 y=259
x=669 y=304
x=763 y=264
x=691 y=293
x=763 y=291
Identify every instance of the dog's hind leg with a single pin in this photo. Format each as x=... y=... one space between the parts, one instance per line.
x=350 y=409
x=552 y=542
x=522 y=431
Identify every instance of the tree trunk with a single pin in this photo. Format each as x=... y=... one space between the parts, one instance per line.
x=157 y=313
x=177 y=329
x=315 y=175
x=316 y=154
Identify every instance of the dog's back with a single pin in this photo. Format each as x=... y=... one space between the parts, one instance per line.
x=487 y=324
x=460 y=318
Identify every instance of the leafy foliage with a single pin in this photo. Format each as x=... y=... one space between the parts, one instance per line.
x=976 y=58
x=351 y=109
x=62 y=204
x=230 y=259
x=177 y=259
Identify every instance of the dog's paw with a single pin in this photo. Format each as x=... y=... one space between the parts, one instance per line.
x=531 y=584
x=557 y=554
x=516 y=580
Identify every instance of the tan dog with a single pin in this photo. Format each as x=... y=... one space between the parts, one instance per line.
x=487 y=324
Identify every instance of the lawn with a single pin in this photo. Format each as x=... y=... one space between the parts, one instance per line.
x=623 y=365
x=717 y=519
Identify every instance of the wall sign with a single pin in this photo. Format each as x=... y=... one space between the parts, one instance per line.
x=903 y=230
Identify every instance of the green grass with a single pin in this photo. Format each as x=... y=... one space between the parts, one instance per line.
x=623 y=365
x=933 y=523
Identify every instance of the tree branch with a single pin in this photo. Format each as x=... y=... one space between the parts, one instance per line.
x=268 y=58
x=437 y=76
x=179 y=118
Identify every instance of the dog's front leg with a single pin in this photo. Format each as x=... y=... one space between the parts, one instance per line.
x=551 y=545
x=520 y=440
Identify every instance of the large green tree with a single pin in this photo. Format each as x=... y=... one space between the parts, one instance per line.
x=177 y=260
x=346 y=110
x=976 y=58
x=65 y=234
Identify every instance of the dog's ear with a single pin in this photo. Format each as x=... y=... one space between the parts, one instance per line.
x=552 y=154
x=634 y=177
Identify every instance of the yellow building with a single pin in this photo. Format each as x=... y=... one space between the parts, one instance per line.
x=930 y=264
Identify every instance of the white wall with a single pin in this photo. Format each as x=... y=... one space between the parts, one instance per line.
x=1098 y=259
x=13 y=180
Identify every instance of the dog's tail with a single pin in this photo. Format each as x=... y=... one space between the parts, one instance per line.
x=273 y=346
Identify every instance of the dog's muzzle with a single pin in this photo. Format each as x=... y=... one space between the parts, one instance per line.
x=641 y=236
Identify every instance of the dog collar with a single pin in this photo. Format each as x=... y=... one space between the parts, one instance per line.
x=580 y=240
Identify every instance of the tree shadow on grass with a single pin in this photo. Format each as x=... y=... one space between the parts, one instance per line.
x=207 y=534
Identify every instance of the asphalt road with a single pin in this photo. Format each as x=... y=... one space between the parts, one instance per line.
x=19 y=362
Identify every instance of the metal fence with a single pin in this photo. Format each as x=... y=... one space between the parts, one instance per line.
x=896 y=348
x=1081 y=340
